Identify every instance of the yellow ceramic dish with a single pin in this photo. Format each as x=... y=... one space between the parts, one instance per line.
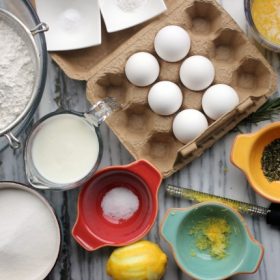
x=246 y=154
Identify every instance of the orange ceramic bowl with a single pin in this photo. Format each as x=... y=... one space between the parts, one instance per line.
x=246 y=154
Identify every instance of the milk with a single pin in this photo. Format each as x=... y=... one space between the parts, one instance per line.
x=65 y=148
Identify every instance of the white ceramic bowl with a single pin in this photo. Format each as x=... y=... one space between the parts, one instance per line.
x=23 y=260
x=72 y=24
x=118 y=15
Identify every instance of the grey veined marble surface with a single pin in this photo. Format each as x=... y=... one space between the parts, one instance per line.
x=212 y=173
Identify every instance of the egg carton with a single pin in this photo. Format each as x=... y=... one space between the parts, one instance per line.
x=237 y=62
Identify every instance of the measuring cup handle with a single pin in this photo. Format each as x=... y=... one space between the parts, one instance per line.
x=101 y=110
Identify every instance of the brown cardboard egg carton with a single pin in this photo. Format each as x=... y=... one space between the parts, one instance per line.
x=215 y=35
x=237 y=63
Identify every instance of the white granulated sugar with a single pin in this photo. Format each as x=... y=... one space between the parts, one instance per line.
x=17 y=75
x=119 y=204
x=130 y=5
x=29 y=236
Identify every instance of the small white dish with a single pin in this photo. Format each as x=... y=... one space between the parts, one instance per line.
x=122 y=14
x=73 y=24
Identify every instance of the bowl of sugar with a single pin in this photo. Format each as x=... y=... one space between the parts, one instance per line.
x=30 y=235
x=118 y=206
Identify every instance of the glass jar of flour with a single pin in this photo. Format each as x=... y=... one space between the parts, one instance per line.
x=65 y=148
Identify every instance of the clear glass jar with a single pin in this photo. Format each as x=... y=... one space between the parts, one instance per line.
x=94 y=117
x=253 y=29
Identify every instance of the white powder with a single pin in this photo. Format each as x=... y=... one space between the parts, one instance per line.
x=119 y=204
x=70 y=20
x=17 y=75
x=29 y=236
x=130 y=5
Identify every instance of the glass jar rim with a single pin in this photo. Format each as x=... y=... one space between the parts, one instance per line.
x=257 y=35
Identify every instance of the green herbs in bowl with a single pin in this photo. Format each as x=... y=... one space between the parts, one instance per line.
x=271 y=161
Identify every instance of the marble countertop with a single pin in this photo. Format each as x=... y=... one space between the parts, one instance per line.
x=212 y=173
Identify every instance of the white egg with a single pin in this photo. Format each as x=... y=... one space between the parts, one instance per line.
x=189 y=124
x=172 y=43
x=165 y=98
x=197 y=72
x=219 y=100
x=142 y=69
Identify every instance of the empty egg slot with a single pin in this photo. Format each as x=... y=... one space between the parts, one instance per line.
x=162 y=124
x=112 y=85
x=135 y=123
x=204 y=17
x=228 y=46
x=252 y=75
x=161 y=150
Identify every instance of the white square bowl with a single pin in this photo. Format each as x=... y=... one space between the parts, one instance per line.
x=73 y=24
x=116 y=18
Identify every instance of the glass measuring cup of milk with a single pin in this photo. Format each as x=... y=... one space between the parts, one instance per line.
x=65 y=148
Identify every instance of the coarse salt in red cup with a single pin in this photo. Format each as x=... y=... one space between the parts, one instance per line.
x=93 y=229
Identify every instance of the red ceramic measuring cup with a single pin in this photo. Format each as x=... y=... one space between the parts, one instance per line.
x=92 y=230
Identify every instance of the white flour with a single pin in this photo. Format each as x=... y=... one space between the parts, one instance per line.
x=29 y=236
x=17 y=75
x=130 y=5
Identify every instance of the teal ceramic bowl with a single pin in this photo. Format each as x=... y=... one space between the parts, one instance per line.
x=244 y=253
